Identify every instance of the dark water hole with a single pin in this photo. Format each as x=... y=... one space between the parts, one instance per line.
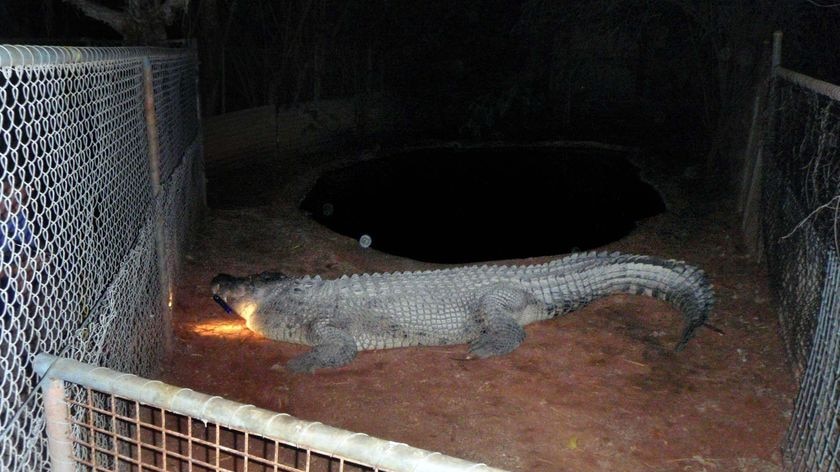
x=469 y=205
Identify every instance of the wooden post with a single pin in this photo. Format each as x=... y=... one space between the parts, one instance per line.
x=154 y=165
x=200 y=119
x=750 y=198
x=223 y=84
x=151 y=125
x=749 y=154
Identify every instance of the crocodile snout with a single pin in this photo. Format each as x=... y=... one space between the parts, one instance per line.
x=228 y=287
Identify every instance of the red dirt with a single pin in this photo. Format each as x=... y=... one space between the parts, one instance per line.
x=600 y=389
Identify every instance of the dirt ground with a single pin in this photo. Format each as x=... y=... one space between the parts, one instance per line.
x=600 y=389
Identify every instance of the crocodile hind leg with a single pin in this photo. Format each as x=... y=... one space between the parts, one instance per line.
x=331 y=347
x=499 y=314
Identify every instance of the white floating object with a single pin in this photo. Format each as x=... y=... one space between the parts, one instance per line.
x=365 y=241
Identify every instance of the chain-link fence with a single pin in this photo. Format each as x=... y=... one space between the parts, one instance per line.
x=101 y=172
x=801 y=192
x=802 y=179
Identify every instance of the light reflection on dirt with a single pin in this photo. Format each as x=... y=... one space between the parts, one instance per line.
x=221 y=328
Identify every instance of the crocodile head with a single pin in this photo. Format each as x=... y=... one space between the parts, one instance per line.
x=230 y=288
x=244 y=293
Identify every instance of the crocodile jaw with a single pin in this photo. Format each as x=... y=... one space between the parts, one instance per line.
x=246 y=311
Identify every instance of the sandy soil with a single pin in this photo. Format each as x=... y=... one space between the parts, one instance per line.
x=600 y=389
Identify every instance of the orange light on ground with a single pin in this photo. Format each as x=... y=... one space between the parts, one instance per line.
x=221 y=328
x=228 y=327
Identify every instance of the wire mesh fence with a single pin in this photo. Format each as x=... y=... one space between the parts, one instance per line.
x=801 y=192
x=802 y=179
x=114 y=433
x=103 y=420
x=813 y=440
x=88 y=240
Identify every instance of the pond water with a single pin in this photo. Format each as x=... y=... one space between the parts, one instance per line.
x=450 y=205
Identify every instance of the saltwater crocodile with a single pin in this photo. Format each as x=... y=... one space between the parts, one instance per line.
x=485 y=306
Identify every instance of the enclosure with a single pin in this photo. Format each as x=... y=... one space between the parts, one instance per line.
x=103 y=180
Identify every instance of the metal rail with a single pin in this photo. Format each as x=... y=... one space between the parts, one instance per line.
x=12 y=55
x=358 y=448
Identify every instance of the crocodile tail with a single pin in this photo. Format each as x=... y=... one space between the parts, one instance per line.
x=684 y=286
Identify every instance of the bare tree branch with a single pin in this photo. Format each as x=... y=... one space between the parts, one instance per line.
x=171 y=7
x=113 y=18
x=142 y=21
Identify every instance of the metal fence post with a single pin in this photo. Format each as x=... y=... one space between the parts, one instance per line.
x=154 y=164
x=57 y=418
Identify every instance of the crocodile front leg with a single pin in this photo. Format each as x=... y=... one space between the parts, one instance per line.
x=331 y=347
x=500 y=332
x=499 y=336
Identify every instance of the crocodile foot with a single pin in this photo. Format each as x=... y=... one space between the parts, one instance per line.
x=499 y=337
x=322 y=357
x=331 y=347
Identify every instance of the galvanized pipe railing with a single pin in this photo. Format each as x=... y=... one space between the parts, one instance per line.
x=356 y=447
x=15 y=55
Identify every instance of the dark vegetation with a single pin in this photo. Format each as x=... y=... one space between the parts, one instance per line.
x=671 y=71
x=676 y=77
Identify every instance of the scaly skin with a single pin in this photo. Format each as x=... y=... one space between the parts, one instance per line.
x=485 y=306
